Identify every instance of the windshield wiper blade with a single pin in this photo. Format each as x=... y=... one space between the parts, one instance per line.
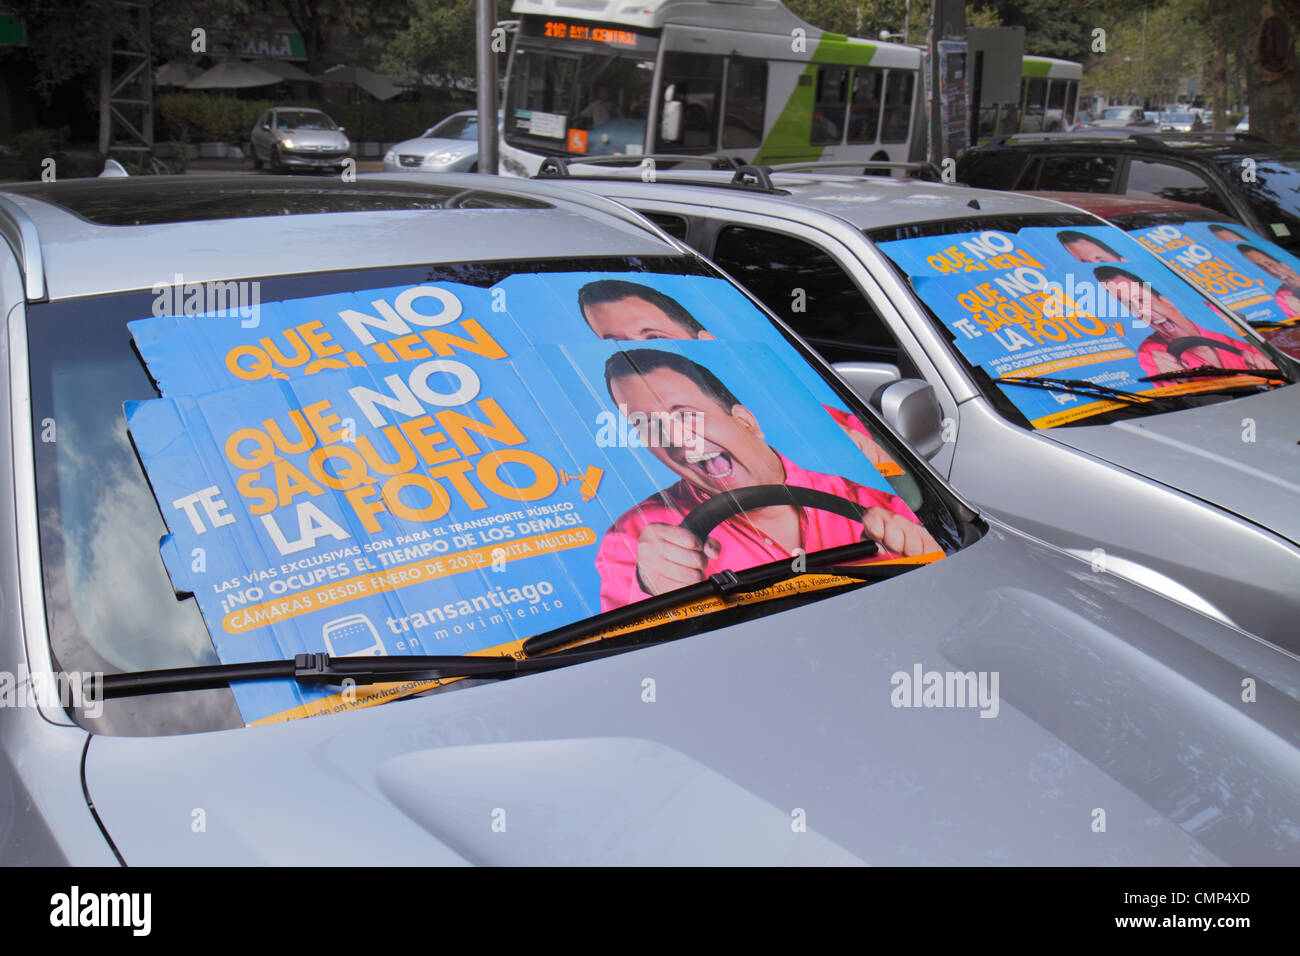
x=1210 y=371
x=319 y=668
x=724 y=583
x=1079 y=386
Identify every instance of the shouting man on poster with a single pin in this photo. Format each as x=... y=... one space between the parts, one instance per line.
x=647 y=551
x=1176 y=342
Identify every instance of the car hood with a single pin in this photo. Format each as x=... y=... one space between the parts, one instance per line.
x=1240 y=455
x=1119 y=736
x=427 y=147
x=313 y=137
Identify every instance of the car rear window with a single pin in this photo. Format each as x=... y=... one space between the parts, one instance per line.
x=154 y=200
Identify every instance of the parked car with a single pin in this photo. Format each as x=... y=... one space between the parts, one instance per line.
x=1243 y=124
x=1228 y=261
x=288 y=138
x=1181 y=121
x=1238 y=176
x=1167 y=490
x=1099 y=693
x=450 y=146
x=1122 y=116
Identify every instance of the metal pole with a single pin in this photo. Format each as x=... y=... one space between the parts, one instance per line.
x=907 y=20
x=487 y=88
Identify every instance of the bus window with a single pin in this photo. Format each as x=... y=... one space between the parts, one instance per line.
x=742 y=126
x=864 y=111
x=1035 y=94
x=898 y=106
x=1071 y=97
x=579 y=103
x=696 y=79
x=830 y=105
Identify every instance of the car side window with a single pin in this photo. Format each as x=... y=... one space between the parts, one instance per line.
x=675 y=226
x=807 y=288
x=1076 y=174
x=1166 y=181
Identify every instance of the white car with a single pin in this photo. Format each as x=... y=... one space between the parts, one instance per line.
x=451 y=146
x=288 y=138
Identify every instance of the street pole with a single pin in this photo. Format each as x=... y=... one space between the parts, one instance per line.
x=1142 y=63
x=487 y=88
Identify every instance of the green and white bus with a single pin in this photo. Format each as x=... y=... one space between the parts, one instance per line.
x=745 y=78
x=1049 y=100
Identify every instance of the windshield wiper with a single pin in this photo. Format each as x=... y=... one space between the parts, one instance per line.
x=318 y=668
x=1209 y=371
x=724 y=583
x=1079 y=386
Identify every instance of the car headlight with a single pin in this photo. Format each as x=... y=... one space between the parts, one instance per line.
x=446 y=156
x=287 y=143
x=346 y=144
x=390 y=156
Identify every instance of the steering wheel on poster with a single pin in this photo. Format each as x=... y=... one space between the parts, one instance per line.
x=1178 y=346
x=707 y=515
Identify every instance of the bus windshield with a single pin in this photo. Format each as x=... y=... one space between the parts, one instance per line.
x=579 y=102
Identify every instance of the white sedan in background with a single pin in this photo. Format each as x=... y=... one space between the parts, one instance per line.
x=449 y=147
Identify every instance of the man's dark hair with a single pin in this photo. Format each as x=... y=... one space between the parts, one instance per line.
x=1111 y=272
x=1243 y=248
x=1068 y=236
x=616 y=290
x=645 y=361
x=1216 y=227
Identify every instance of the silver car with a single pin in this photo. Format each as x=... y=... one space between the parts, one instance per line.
x=1195 y=496
x=451 y=146
x=288 y=138
x=988 y=697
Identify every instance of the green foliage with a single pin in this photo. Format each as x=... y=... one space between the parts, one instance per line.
x=1149 y=60
x=438 y=42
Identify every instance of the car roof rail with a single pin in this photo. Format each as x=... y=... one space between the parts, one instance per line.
x=557 y=166
x=923 y=165
x=20 y=232
x=753 y=177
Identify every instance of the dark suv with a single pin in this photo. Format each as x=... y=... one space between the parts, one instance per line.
x=1238 y=175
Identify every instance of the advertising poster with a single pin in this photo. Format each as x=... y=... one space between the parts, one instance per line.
x=408 y=471
x=1084 y=303
x=1258 y=280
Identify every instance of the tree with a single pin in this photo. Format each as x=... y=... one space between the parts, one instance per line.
x=1272 y=77
x=437 y=42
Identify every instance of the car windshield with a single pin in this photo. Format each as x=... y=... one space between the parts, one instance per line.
x=1241 y=270
x=578 y=98
x=1063 y=321
x=1271 y=184
x=431 y=460
x=455 y=127
x=1123 y=112
x=1180 y=117
x=303 y=119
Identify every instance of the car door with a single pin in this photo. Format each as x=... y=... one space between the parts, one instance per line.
x=1072 y=172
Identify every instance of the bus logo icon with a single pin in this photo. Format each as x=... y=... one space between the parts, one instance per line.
x=352 y=636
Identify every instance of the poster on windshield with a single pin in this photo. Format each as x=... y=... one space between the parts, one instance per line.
x=1085 y=303
x=1258 y=280
x=505 y=474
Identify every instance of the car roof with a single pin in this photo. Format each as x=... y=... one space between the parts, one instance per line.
x=1215 y=145
x=865 y=202
x=322 y=225
x=1107 y=205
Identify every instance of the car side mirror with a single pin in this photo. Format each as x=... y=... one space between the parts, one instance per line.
x=867 y=378
x=266 y=126
x=670 y=126
x=342 y=128
x=912 y=408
